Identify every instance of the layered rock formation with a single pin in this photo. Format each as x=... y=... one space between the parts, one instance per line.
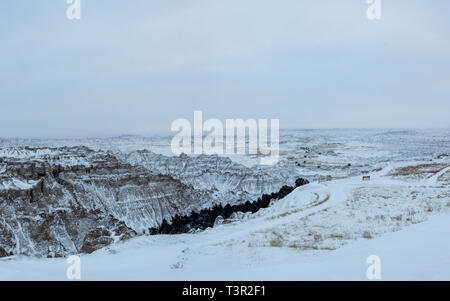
x=66 y=200
x=55 y=202
x=227 y=182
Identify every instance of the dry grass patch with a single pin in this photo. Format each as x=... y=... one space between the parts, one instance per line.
x=431 y=168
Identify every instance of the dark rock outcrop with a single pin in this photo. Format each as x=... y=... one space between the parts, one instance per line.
x=96 y=239
x=3 y=252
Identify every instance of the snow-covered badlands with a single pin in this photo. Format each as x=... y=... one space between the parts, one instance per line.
x=321 y=231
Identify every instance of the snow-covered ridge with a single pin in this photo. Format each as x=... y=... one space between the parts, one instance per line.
x=16 y=184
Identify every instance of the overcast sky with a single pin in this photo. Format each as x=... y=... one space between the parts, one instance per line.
x=132 y=67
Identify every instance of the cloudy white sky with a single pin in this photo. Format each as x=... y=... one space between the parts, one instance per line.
x=132 y=67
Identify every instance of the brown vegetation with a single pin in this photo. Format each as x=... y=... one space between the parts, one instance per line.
x=431 y=168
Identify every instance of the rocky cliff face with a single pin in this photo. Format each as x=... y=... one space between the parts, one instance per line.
x=65 y=200
x=55 y=202
x=226 y=181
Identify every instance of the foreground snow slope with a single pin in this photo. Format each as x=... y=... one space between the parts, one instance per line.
x=321 y=231
x=420 y=252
